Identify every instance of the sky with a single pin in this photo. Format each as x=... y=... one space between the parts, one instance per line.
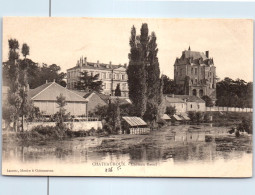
x=63 y=41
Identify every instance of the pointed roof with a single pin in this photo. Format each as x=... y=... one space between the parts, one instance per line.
x=50 y=91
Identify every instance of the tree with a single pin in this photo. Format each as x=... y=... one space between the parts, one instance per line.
x=25 y=106
x=117 y=90
x=14 y=98
x=234 y=93
x=61 y=116
x=144 y=74
x=89 y=83
x=169 y=86
x=170 y=110
x=137 y=75
x=208 y=101
x=153 y=80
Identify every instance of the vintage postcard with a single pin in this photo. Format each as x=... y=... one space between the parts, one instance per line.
x=132 y=97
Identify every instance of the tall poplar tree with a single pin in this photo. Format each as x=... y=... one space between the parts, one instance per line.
x=153 y=80
x=137 y=74
x=144 y=74
x=14 y=98
x=25 y=106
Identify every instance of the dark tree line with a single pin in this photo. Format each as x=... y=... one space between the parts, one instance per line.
x=144 y=74
x=234 y=93
x=35 y=75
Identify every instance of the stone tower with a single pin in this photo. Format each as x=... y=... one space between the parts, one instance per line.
x=195 y=74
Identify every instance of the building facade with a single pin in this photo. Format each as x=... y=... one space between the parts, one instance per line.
x=195 y=74
x=111 y=75
x=45 y=98
x=184 y=103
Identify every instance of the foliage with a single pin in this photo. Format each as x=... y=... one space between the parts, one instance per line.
x=208 y=101
x=61 y=116
x=196 y=117
x=37 y=75
x=89 y=83
x=234 y=93
x=14 y=98
x=245 y=125
x=170 y=110
x=206 y=117
x=117 y=90
x=144 y=74
x=169 y=86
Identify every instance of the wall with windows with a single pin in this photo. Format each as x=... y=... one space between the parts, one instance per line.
x=196 y=106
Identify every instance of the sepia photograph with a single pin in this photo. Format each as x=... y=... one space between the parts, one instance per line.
x=127 y=97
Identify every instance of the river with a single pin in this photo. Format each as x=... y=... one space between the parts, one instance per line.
x=179 y=144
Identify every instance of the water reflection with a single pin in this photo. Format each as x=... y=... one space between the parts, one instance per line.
x=177 y=143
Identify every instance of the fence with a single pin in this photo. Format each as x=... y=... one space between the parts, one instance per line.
x=228 y=109
x=74 y=126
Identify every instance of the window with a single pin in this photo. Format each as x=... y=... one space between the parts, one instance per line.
x=103 y=75
x=195 y=71
x=198 y=106
x=110 y=75
x=191 y=70
x=190 y=105
x=123 y=77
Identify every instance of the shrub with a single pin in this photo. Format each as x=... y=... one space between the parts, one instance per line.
x=206 y=117
x=107 y=128
x=170 y=110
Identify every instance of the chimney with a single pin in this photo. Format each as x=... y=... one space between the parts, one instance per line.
x=110 y=63
x=85 y=61
x=125 y=65
x=97 y=63
x=207 y=54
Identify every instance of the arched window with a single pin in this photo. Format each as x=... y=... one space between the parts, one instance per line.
x=194 y=92
x=201 y=93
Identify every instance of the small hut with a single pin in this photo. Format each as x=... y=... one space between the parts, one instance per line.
x=135 y=125
x=166 y=118
x=175 y=118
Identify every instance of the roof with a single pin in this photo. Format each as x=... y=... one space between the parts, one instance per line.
x=134 y=121
x=193 y=54
x=176 y=117
x=190 y=98
x=166 y=117
x=194 y=57
x=185 y=117
x=122 y=100
x=50 y=91
x=101 y=66
x=174 y=99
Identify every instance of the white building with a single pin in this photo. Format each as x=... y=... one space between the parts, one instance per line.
x=111 y=75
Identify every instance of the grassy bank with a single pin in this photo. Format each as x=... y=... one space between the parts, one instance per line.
x=48 y=133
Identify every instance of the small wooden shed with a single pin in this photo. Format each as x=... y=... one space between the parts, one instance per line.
x=135 y=125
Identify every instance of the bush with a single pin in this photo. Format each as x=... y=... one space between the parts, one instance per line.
x=245 y=125
x=170 y=110
x=206 y=117
x=107 y=128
